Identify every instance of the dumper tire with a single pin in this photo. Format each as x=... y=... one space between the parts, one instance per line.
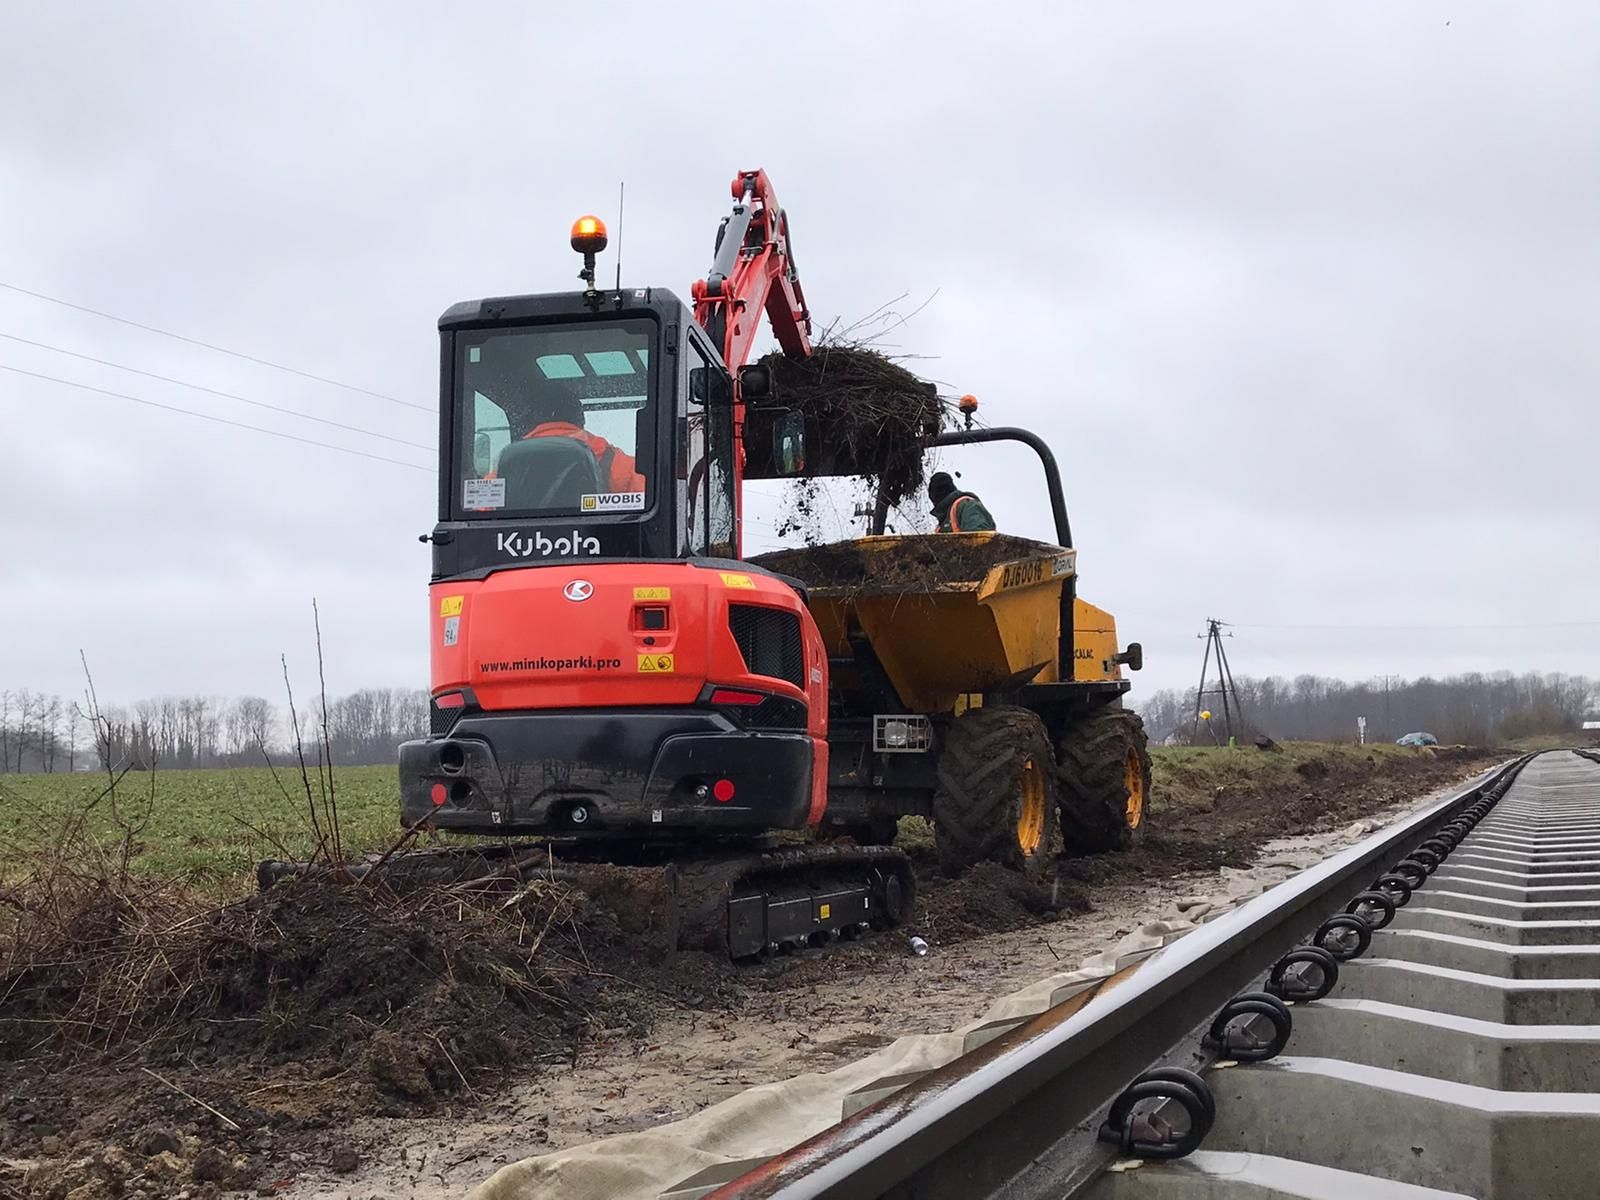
x=995 y=799
x=1103 y=780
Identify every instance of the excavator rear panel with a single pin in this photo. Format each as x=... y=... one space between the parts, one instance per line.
x=644 y=699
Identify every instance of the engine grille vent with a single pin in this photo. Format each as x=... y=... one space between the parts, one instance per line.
x=769 y=639
x=440 y=719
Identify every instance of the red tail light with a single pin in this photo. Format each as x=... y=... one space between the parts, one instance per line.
x=450 y=700
x=729 y=697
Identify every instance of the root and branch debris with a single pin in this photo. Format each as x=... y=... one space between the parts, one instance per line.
x=128 y=1004
x=865 y=414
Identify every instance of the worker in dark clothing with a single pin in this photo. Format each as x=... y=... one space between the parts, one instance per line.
x=955 y=510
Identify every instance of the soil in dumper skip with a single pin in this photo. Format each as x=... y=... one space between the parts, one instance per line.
x=152 y=1043
x=915 y=563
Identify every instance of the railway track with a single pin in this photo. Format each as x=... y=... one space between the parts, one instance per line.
x=1417 y=1018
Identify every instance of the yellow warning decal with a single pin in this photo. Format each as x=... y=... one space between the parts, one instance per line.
x=823 y=912
x=737 y=581
x=652 y=593
x=450 y=606
x=660 y=664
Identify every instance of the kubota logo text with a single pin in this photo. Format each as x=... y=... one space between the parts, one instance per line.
x=520 y=545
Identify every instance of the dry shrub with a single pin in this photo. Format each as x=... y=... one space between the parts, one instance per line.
x=82 y=939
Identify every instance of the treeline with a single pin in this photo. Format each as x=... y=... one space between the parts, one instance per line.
x=1471 y=708
x=47 y=733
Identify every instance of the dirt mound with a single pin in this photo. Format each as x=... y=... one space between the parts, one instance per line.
x=864 y=415
x=126 y=1007
x=1217 y=807
x=909 y=564
x=988 y=898
x=365 y=977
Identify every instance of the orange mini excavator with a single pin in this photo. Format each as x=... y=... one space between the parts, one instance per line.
x=606 y=667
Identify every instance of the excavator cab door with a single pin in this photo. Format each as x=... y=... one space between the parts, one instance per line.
x=708 y=474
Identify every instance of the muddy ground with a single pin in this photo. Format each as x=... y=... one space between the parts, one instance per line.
x=342 y=1039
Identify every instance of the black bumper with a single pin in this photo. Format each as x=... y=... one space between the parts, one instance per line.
x=629 y=771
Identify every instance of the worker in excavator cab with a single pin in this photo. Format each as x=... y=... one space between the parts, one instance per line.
x=555 y=462
x=955 y=510
x=556 y=412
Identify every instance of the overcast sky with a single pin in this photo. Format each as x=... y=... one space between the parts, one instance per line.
x=1305 y=296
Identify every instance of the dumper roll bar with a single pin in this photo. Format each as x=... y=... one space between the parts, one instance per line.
x=1058 y=509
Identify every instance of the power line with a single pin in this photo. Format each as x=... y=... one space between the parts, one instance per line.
x=1423 y=628
x=264 y=362
x=189 y=412
x=214 y=392
x=1415 y=627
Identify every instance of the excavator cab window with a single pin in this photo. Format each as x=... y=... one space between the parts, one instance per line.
x=554 y=419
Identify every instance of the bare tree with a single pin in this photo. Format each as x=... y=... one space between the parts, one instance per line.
x=22 y=733
x=42 y=733
x=49 y=732
x=1464 y=708
x=74 y=718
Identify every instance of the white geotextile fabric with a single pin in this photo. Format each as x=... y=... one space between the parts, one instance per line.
x=768 y=1119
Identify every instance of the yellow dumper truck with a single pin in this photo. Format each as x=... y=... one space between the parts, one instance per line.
x=971 y=685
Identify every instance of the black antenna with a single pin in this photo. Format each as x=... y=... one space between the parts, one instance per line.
x=621 y=187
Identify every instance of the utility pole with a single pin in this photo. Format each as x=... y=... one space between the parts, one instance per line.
x=1228 y=690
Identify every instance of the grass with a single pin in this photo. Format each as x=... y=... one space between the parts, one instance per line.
x=1550 y=741
x=208 y=828
x=1184 y=775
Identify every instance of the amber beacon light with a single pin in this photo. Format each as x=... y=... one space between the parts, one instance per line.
x=588 y=235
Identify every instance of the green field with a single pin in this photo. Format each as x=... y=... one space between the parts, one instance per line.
x=208 y=828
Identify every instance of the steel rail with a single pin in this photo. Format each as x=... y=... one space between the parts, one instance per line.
x=1012 y=1116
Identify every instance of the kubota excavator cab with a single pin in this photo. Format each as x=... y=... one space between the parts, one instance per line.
x=601 y=660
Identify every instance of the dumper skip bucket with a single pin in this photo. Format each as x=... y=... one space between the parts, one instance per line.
x=945 y=614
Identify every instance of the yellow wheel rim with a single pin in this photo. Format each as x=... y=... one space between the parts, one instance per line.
x=1135 y=781
x=1030 y=820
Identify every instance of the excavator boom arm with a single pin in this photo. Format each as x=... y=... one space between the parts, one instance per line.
x=753 y=272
